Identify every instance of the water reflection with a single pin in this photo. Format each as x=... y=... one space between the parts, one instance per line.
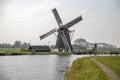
x=61 y=66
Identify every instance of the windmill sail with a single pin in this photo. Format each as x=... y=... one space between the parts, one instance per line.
x=48 y=33
x=73 y=22
x=66 y=40
x=57 y=17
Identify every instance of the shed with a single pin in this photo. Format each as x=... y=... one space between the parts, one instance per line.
x=39 y=49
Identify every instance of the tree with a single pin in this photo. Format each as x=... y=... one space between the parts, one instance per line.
x=5 y=45
x=25 y=45
x=17 y=44
x=82 y=43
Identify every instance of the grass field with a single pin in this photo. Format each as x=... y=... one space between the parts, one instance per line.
x=113 y=62
x=86 y=51
x=12 y=51
x=18 y=51
x=9 y=50
x=85 y=69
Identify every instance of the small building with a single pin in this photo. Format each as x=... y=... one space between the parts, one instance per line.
x=39 y=49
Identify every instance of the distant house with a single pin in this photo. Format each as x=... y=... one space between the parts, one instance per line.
x=39 y=49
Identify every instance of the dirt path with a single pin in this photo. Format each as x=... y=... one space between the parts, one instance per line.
x=106 y=69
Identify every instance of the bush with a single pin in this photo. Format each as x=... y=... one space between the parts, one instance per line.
x=23 y=50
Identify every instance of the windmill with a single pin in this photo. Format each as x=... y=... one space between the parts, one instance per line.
x=63 y=38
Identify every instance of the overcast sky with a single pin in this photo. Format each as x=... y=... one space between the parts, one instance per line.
x=26 y=20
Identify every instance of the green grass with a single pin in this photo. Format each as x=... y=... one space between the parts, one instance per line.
x=86 y=51
x=85 y=69
x=9 y=50
x=102 y=51
x=113 y=62
x=19 y=51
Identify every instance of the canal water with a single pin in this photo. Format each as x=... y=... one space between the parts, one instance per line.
x=35 y=67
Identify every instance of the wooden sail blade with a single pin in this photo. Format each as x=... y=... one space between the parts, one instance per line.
x=73 y=22
x=57 y=17
x=47 y=34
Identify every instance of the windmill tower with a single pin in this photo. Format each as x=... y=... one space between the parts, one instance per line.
x=63 y=38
